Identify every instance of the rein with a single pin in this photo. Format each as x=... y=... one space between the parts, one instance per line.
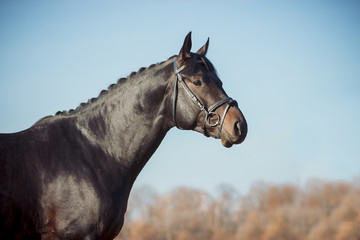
x=208 y=113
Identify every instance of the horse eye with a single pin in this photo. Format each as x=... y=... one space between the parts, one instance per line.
x=197 y=82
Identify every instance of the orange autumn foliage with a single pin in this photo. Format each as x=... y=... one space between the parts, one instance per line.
x=319 y=211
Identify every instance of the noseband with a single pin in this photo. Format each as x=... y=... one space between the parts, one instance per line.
x=208 y=113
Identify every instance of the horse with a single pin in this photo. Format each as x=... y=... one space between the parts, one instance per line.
x=69 y=175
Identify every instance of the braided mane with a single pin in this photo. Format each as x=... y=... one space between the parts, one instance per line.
x=111 y=88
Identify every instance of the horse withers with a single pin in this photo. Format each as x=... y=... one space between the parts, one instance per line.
x=69 y=176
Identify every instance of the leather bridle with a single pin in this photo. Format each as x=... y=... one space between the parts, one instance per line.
x=209 y=113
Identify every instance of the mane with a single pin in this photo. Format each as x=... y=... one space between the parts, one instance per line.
x=103 y=93
x=111 y=88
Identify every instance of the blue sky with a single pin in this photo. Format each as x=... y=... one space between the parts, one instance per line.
x=293 y=66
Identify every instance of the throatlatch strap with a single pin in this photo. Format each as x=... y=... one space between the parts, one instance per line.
x=175 y=102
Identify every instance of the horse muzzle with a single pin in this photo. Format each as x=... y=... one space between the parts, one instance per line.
x=235 y=128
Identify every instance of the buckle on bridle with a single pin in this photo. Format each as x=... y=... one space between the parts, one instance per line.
x=208 y=119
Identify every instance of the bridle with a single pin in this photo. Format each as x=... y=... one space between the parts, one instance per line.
x=209 y=113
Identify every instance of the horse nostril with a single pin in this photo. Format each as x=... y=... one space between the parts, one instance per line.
x=237 y=128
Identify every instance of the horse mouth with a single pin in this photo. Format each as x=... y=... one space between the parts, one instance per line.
x=226 y=143
x=228 y=140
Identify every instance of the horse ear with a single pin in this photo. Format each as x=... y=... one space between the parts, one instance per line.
x=185 y=51
x=203 y=50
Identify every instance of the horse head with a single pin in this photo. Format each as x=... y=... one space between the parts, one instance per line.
x=200 y=102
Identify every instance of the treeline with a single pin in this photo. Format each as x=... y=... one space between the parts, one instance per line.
x=319 y=211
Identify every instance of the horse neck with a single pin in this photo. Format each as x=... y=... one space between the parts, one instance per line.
x=130 y=121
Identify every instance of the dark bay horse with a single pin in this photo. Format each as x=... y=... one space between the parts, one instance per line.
x=69 y=176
